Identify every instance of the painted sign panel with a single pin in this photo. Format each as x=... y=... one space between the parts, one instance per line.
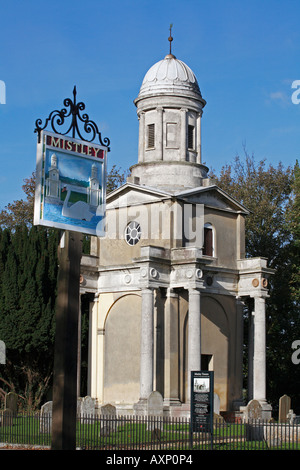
x=202 y=392
x=70 y=184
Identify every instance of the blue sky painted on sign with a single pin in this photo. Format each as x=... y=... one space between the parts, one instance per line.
x=246 y=55
x=73 y=166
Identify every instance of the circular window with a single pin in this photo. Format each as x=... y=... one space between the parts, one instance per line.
x=133 y=233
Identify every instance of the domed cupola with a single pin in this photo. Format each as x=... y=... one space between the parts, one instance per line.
x=170 y=76
x=169 y=108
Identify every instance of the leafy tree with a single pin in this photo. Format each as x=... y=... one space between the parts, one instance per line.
x=28 y=294
x=20 y=212
x=293 y=223
x=115 y=178
x=265 y=192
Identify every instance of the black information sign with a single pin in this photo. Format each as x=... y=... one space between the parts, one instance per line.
x=202 y=401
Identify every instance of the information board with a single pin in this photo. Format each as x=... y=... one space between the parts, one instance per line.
x=202 y=404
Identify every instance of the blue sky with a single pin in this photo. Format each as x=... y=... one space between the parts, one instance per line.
x=245 y=55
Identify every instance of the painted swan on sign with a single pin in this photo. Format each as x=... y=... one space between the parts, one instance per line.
x=78 y=210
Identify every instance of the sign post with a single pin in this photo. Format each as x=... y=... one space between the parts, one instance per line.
x=202 y=403
x=66 y=343
x=70 y=196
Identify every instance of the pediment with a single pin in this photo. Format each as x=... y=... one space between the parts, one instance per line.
x=213 y=196
x=132 y=194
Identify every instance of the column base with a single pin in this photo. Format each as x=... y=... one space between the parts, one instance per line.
x=171 y=404
x=183 y=410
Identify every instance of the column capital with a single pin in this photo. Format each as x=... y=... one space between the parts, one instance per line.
x=194 y=290
x=140 y=114
x=147 y=289
x=171 y=292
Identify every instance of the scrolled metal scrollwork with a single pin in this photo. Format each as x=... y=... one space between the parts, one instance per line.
x=58 y=118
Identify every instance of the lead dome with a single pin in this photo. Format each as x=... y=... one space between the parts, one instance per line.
x=170 y=75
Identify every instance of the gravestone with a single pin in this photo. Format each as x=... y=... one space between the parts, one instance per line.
x=87 y=409
x=284 y=407
x=291 y=417
x=254 y=410
x=46 y=418
x=217 y=418
x=108 y=422
x=216 y=403
x=11 y=402
x=254 y=427
x=155 y=413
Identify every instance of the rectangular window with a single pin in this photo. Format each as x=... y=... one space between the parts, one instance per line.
x=151 y=136
x=208 y=241
x=191 y=137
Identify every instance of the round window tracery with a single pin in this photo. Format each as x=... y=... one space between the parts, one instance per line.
x=133 y=233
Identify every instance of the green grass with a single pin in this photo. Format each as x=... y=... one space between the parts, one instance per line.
x=134 y=435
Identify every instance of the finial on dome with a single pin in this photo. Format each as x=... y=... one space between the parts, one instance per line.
x=170 y=39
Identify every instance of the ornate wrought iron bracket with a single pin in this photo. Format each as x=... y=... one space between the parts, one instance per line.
x=57 y=118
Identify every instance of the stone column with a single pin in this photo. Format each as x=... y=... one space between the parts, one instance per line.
x=146 y=371
x=250 y=354
x=141 y=117
x=198 y=138
x=237 y=365
x=160 y=134
x=183 y=134
x=93 y=371
x=194 y=334
x=259 y=356
x=171 y=339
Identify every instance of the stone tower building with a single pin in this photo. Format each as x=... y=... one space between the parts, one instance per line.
x=170 y=276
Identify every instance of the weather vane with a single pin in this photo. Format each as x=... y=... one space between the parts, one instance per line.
x=170 y=38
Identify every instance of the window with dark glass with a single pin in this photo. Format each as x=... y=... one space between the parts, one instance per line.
x=151 y=136
x=191 y=137
x=208 y=241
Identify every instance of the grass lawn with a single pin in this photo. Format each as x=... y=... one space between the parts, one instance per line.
x=127 y=434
